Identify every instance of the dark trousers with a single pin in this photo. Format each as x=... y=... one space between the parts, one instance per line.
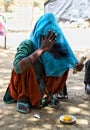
x=87 y=72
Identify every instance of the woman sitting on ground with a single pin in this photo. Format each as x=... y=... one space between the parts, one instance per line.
x=40 y=67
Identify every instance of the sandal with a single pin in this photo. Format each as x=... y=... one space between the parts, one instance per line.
x=54 y=103
x=62 y=94
x=22 y=106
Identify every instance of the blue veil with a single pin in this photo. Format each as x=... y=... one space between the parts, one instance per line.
x=53 y=66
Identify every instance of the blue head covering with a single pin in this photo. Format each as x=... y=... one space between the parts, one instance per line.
x=53 y=66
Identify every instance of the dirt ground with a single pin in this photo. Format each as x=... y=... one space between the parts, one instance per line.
x=77 y=104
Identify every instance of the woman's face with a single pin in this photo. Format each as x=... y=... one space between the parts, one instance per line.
x=56 y=51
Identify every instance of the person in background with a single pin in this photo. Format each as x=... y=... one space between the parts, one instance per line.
x=2 y=24
x=87 y=77
x=40 y=67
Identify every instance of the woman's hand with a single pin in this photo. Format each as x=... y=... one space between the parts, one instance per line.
x=48 y=41
x=79 y=66
x=46 y=44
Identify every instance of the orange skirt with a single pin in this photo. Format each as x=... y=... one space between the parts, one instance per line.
x=25 y=84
